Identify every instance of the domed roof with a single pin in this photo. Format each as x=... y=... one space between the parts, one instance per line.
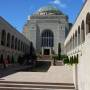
x=49 y=9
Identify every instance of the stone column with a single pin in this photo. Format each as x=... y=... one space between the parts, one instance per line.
x=42 y=51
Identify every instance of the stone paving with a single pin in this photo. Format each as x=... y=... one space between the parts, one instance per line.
x=58 y=74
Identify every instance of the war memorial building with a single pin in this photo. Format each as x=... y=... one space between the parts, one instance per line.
x=46 y=29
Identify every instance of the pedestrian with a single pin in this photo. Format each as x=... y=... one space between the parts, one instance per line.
x=4 y=64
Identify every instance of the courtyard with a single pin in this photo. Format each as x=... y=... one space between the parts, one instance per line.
x=45 y=45
x=52 y=77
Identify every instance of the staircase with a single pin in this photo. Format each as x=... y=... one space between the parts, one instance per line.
x=45 y=57
x=14 y=85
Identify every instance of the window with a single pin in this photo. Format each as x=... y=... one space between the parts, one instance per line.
x=47 y=38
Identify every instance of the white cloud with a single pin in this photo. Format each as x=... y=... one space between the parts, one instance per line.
x=58 y=2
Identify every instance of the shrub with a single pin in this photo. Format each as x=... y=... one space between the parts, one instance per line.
x=66 y=60
x=61 y=57
x=75 y=60
x=71 y=60
x=59 y=51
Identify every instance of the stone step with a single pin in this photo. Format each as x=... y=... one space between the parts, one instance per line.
x=33 y=85
x=37 y=86
x=10 y=85
x=15 y=88
x=21 y=88
x=45 y=57
x=47 y=83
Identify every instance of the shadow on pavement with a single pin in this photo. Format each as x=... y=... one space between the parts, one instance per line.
x=12 y=69
x=41 y=66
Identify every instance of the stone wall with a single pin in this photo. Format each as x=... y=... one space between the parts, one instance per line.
x=81 y=71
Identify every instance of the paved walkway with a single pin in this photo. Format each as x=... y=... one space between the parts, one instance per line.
x=55 y=74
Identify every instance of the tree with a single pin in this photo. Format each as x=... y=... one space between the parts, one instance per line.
x=59 y=50
x=33 y=55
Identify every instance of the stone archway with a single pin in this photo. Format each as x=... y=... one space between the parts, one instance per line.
x=1 y=58
x=8 y=40
x=3 y=38
x=88 y=23
x=83 y=31
x=75 y=38
x=79 y=35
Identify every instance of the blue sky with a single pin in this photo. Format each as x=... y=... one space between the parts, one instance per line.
x=17 y=11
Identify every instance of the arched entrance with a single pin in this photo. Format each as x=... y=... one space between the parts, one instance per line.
x=47 y=39
x=79 y=35
x=3 y=37
x=8 y=40
x=82 y=31
x=1 y=59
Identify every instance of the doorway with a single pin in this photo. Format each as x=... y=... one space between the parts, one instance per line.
x=46 y=51
x=1 y=59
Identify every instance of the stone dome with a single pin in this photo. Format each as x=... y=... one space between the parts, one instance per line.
x=49 y=10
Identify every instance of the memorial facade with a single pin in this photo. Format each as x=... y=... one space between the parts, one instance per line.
x=46 y=29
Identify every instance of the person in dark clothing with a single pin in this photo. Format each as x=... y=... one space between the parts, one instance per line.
x=3 y=61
